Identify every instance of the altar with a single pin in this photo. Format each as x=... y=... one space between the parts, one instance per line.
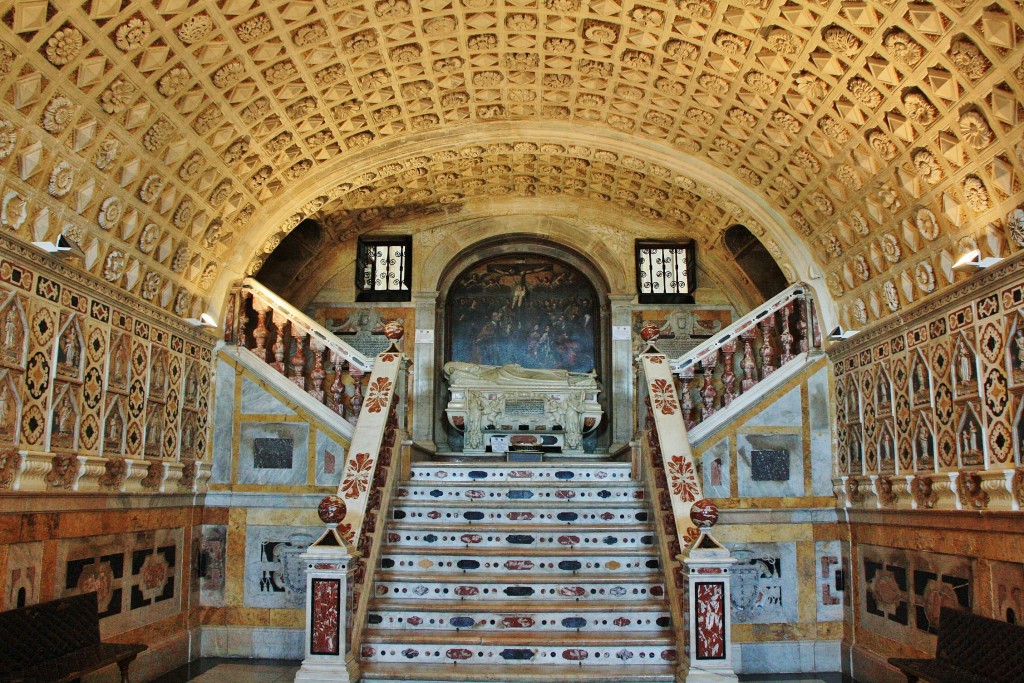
x=509 y=408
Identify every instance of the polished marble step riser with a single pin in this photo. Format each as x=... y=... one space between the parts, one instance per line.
x=509 y=655
x=566 y=592
x=394 y=618
x=566 y=564
x=399 y=541
x=467 y=514
x=576 y=473
x=502 y=495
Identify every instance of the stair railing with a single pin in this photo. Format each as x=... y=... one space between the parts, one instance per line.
x=781 y=332
x=291 y=343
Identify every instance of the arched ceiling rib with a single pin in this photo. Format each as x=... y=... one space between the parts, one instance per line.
x=167 y=135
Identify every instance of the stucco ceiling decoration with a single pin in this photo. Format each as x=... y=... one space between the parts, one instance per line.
x=887 y=134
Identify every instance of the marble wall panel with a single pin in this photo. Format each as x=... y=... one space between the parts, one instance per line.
x=758 y=475
x=274 y=575
x=273 y=453
x=830 y=580
x=223 y=422
x=258 y=401
x=784 y=411
x=715 y=467
x=137 y=576
x=764 y=583
x=330 y=460
x=24 y=571
x=211 y=564
x=819 y=421
x=902 y=592
x=1007 y=588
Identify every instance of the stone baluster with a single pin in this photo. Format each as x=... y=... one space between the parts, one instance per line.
x=259 y=333
x=685 y=398
x=357 y=394
x=708 y=393
x=278 y=347
x=748 y=364
x=801 y=327
x=815 y=332
x=766 y=352
x=338 y=385
x=298 y=361
x=317 y=374
x=786 y=335
x=728 y=373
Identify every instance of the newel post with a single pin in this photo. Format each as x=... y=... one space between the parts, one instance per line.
x=710 y=619
x=328 y=560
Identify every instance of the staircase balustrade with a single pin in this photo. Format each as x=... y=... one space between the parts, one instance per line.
x=778 y=333
x=329 y=370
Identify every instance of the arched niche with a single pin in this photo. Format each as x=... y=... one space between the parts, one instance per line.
x=505 y=253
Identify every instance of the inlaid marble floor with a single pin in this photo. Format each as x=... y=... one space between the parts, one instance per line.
x=272 y=671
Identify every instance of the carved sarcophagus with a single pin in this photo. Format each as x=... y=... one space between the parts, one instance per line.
x=502 y=407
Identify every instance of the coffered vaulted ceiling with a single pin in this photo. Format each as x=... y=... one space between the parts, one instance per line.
x=866 y=143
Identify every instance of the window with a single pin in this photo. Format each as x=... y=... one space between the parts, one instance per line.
x=383 y=269
x=665 y=272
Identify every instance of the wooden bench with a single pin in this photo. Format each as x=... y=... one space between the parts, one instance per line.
x=970 y=649
x=57 y=642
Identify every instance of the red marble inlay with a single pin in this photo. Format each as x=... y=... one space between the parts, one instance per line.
x=324 y=633
x=710 y=618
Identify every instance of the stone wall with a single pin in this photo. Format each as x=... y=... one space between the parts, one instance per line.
x=929 y=430
x=275 y=455
x=769 y=472
x=104 y=444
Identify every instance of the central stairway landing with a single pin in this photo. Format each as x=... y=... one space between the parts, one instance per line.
x=535 y=571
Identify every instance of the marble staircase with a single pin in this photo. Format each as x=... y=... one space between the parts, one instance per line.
x=524 y=572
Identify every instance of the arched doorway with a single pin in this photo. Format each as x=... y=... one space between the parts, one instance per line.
x=525 y=300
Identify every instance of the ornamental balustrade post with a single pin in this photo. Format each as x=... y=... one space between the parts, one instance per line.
x=708 y=393
x=786 y=336
x=709 y=565
x=329 y=603
x=298 y=361
x=728 y=374
x=259 y=333
x=317 y=374
x=278 y=347
x=748 y=364
x=685 y=398
x=767 y=353
x=338 y=386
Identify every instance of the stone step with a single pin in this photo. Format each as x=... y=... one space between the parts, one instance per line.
x=549 y=514
x=524 y=673
x=399 y=539
x=559 y=561
x=625 y=618
x=530 y=647
x=531 y=493
x=484 y=588
x=520 y=472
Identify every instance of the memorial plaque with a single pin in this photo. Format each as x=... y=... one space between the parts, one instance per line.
x=524 y=407
x=769 y=465
x=272 y=454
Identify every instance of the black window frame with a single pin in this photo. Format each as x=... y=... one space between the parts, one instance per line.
x=363 y=255
x=677 y=297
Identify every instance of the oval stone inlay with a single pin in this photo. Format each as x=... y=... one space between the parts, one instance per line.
x=468 y=564
x=570 y=565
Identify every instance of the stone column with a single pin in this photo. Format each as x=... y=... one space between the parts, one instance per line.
x=423 y=390
x=329 y=658
x=619 y=387
x=710 y=620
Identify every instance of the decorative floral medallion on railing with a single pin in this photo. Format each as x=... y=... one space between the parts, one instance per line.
x=312 y=358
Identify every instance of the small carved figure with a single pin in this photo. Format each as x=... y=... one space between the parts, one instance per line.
x=964 y=369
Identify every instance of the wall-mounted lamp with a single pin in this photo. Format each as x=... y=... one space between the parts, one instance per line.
x=972 y=261
x=839 y=333
x=205 y=320
x=64 y=247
